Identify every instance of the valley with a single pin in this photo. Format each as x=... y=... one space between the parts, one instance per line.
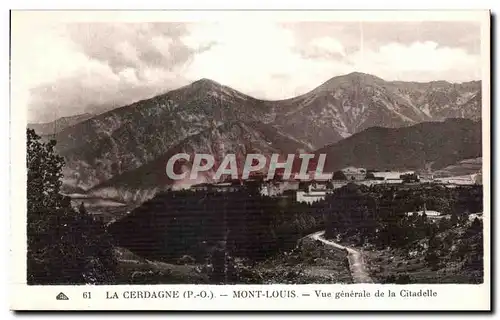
x=243 y=237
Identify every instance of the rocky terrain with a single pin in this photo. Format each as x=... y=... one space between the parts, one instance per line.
x=349 y=104
x=108 y=145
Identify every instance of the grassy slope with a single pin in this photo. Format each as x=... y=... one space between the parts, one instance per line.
x=310 y=262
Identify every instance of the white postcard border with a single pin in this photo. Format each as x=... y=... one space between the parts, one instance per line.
x=24 y=297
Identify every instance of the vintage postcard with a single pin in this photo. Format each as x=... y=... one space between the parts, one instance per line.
x=260 y=160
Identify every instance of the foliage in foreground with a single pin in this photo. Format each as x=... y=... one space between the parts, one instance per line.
x=65 y=246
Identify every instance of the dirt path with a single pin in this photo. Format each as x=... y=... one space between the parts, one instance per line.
x=355 y=258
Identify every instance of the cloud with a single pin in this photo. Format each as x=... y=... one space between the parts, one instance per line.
x=273 y=61
x=245 y=56
x=90 y=67
x=460 y=35
x=418 y=61
x=329 y=45
x=130 y=45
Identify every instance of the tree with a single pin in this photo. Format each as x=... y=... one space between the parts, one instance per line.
x=339 y=175
x=403 y=279
x=476 y=226
x=453 y=219
x=445 y=224
x=64 y=246
x=370 y=176
x=431 y=256
x=82 y=209
x=410 y=177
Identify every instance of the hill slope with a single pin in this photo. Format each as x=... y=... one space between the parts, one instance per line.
x=129 y=137
x=238 y=138
x=430 y=143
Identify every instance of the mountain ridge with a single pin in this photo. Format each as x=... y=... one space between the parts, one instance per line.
x=425 y=145
x=235 y=137
x=128 y=137
x=434 y=145
x=56 y=126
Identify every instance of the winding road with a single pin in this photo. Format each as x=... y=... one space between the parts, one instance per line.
x=355 y=258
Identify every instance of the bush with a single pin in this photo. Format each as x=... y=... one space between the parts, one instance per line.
x=403 y=279
x=150 y=277
x=186 y=259
x=64 y=246
x=339 y=175
x=398 y=279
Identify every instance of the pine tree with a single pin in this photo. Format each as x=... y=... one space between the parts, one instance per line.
x=82 y=209
x=339 y=175
x=64 y=246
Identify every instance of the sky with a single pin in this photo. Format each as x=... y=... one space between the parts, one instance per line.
x=90 y=67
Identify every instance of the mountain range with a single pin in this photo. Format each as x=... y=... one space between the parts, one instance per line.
x=103 y=150
x=58 y=125
x=354 y=102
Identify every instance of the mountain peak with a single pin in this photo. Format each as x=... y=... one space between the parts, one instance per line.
x=206 y=82
x=347 y=79
x=357 y=74
x=361 y=75
x=202 y=85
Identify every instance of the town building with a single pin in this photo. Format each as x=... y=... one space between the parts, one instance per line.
x=478 y=178
x=200 y=187
x=310 y=196
x=313 y=192
x=369 y=183
x=431 y=214
x=336 y=184
x=276 y=188
x=353 y=173
x=218 y=187
x=391 y=176
x=428 y=213
x=469 y=179
x=473 y=216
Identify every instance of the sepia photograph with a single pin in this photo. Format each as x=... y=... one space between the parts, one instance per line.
x=248 y=151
